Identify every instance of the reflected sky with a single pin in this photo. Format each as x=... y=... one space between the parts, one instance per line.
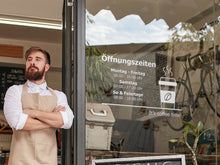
x=106 y=30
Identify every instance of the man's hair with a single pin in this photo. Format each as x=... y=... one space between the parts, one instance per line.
x=38 y=49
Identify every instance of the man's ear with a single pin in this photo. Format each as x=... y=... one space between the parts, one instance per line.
x=47 y=67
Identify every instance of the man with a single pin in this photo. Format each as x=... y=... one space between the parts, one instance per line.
x=34 y=111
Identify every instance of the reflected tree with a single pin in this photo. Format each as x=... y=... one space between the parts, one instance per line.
x=99 y=79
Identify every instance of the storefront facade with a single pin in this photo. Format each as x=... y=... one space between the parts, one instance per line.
x=145 y=74
x=152 y=72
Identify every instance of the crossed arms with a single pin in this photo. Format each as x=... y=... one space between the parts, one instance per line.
x=38 y=119
x=32 y=119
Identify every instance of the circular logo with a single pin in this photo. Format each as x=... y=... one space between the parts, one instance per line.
x=167 y=96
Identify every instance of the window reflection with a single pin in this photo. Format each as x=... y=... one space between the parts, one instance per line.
x=152 y=77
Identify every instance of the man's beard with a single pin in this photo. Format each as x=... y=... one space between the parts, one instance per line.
x=33 y=75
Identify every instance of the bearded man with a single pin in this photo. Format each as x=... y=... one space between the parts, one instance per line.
x=34 y=111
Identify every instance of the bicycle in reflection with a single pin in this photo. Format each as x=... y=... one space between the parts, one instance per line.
x=209 y=88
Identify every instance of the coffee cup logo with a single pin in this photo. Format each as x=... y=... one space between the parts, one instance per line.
x=167 y=88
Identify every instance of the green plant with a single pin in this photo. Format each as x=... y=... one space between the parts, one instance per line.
x=196 y=132
x=99 y=79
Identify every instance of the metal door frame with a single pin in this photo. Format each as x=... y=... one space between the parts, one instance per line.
x=77 y=150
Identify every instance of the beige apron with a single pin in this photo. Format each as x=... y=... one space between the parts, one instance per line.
x=37 y=147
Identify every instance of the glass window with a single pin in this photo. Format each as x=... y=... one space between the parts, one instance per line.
x=152 y=78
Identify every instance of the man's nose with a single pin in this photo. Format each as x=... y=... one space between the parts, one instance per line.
x=32 y=63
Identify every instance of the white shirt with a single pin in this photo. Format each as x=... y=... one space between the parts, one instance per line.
x=13 y=107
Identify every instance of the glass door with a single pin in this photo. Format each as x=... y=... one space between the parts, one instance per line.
x=152 y=79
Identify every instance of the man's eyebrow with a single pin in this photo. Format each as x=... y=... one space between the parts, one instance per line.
x=39 y=57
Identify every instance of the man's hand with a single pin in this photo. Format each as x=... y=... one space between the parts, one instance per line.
x=30 y=112
x=59 y=108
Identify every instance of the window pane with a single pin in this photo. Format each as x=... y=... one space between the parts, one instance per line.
x=151 y=71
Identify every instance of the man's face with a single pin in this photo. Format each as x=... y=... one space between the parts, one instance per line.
x=36 y=66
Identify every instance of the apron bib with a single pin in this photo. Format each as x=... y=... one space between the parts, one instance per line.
x=37 y=147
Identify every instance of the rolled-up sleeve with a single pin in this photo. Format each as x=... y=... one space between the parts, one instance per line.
x=67 y=115
x=13 y=108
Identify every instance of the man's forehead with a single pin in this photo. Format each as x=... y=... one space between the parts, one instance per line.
x=36 y=54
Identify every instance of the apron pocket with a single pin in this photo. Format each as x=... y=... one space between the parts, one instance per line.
x=46 y=154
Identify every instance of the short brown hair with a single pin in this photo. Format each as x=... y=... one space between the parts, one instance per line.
x=38 y=49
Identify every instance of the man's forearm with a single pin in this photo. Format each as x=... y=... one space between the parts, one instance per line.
x=53 y=119
x=34 y=124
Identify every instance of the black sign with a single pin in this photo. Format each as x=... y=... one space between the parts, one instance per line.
x=151 y=160
x=10 y=76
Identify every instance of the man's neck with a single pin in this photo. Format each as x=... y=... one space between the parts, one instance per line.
x=38 y=82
